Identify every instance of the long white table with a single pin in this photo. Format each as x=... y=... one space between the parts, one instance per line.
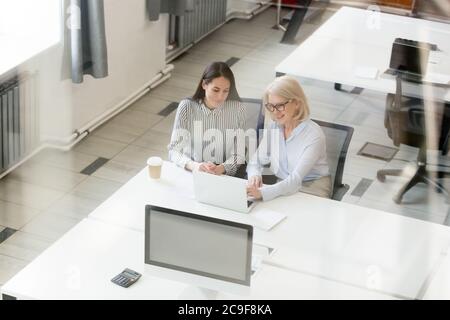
x=439 y=287
x=354 y=39
x=349 y=250
x=81 y=264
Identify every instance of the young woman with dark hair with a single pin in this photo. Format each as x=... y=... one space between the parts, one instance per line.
x=201 y=137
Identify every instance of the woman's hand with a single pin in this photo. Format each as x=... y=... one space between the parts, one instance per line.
x=254 y=192
x=200 y=166
x=255 y=181
x=208 y=167
x=219 y=169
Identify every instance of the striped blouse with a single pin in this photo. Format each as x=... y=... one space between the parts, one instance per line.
x=201 y=134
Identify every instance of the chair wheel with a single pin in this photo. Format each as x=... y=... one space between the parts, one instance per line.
x=381 y=177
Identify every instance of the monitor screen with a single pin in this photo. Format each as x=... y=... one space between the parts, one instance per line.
x=409 y=58
x=197 y=244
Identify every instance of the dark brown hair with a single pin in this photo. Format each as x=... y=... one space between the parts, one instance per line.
x=212 y=71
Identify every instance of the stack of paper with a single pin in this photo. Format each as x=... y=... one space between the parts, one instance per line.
x=266 y=219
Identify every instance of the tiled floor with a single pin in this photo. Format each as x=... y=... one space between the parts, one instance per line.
x=48 y=195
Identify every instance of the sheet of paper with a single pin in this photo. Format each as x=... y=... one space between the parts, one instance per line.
x=266 y=219
x=366 y=72
x=259 y=254
x=435 y=57
x=261 y=250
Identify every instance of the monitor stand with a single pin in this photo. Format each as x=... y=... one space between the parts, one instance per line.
x=193 y=292
x=196 y=286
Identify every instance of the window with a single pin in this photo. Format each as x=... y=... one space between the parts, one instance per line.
x=27 y=27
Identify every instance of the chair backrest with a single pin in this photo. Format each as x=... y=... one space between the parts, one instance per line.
x=405 y=120
x=254 y=116
x=338 y=139
x=254 y=119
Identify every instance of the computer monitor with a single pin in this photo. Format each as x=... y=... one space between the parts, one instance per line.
x=202 y=251
x=409 y=58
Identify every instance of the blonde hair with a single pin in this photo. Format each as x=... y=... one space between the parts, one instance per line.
x=289 y=88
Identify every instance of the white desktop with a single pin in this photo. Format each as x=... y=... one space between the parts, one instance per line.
x=361 y=52
x=324 y=249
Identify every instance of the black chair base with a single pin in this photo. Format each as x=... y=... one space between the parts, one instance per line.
x=340 y=192
x=421 y=175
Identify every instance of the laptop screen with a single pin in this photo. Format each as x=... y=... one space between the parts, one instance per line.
x=197 y=244
x=409 y=58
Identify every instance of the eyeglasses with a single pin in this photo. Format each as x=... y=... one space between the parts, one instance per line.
x=279 y=106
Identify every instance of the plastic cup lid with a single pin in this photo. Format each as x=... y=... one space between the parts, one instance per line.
x=154 y=161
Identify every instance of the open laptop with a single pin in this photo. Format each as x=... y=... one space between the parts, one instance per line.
x=222 y=191
x=410 y=59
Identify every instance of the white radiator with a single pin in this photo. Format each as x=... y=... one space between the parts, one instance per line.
x=19 y=120
x=193 y=25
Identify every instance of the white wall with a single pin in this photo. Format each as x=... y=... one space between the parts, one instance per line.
x=136 y=53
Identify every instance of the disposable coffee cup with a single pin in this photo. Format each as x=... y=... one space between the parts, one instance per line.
x=154 y=167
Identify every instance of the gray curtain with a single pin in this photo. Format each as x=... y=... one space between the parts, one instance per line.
x=176 y=7
x=85 y=40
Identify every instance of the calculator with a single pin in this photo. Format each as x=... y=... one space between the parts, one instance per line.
x=126 y=278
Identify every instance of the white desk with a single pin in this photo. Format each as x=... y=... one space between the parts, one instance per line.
x=81 y=264
x=325 y=242
x=439 y=287
x=331 y=239
x=368 y=27
x=354 y=38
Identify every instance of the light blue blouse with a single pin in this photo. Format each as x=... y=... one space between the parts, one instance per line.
x=302 y=157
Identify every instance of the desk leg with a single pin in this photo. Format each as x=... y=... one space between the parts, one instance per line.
x=355 y=90
x=296 y=21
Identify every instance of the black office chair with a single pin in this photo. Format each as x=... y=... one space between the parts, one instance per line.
x=405 y=124
x=254 y=114
x=338 y=139
x=254 y=119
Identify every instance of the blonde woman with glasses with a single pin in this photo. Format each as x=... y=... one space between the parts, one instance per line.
x=294 y=146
